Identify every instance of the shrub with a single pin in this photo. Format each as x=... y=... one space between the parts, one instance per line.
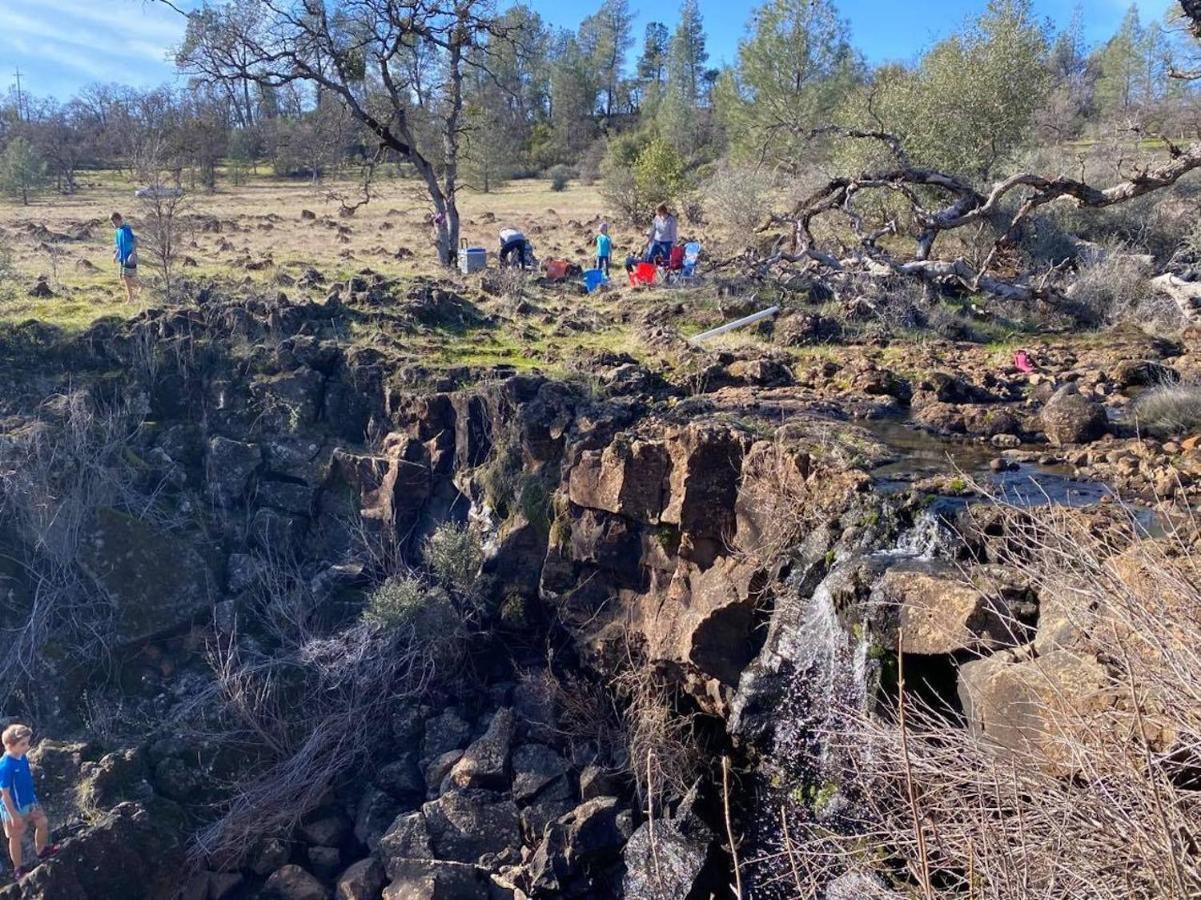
x=638 y=175
x=739 y=197
x=1170 y=409
x=559 y=176
x=454 y=554
x=1111 y=283
x=395 y=602
x=590 y=162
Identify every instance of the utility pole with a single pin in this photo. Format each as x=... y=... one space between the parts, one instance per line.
x=17 y=75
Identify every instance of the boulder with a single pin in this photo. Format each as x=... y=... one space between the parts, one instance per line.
x=408 y=838
x=534 y=767
x=592 y=832
x=939 y=610
x=291 y=882
x=156 y=581
x=438 y=769
x=626 y=478
x=402 y=778
x=485 y=764
x=1036 y=707
x=229 y=466
x=667 y=862
x=1143 y=373
x=376 y=811
x=945 y=387
x=125 y=854
x=428 y=879
x=363 y=880
x=1071 y=418
x=466 y=825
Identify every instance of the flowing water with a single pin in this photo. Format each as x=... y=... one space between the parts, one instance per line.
x=823 y=660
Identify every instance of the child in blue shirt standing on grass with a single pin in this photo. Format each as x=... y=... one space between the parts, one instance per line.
x=604 y=249
x=18 y=802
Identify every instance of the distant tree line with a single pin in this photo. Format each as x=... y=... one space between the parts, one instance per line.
x=461 y=95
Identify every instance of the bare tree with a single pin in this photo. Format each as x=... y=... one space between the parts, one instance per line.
x=361 y=53
x=164 y=206
x=935 y=204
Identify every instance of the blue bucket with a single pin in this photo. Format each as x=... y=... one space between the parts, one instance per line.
x=593 y=278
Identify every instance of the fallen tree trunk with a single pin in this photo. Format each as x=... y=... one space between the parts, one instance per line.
x=965 y=206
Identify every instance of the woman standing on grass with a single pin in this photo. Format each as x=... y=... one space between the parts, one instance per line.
x=125 y=255
x=661 y=236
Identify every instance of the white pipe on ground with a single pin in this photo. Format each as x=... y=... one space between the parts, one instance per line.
x=737 y=323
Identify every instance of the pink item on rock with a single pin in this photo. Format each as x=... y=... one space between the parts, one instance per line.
x=1021 y=361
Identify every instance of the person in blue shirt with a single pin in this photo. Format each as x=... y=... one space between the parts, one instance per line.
x=18 y=802
x=125 y=254
x=604 y=249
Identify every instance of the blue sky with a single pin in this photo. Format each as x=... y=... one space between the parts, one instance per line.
x=62 y=45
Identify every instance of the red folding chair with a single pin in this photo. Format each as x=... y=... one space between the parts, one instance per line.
x=675 y=262
x=643 y=273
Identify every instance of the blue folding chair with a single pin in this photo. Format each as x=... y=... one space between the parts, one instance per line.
x=692 y=256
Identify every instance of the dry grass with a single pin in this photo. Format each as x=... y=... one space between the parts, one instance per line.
x=261 y=223
x=1098 y=801
x=1170 y=409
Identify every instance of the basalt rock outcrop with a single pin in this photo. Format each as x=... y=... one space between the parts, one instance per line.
x=722 y=535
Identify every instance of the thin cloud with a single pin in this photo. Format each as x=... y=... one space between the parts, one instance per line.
x=63 y=45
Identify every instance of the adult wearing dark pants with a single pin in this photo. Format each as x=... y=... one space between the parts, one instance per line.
x=513 y=247
x=661 y=236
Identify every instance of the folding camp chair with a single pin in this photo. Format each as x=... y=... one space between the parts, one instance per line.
x=643 y=273
x=692 y=256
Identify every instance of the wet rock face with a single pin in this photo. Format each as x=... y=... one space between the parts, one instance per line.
x=1071 y=418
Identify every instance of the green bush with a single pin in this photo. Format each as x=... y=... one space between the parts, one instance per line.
x=396 y=602
x=640 y=174
x=454 y=554
x=407 y=602
x=559 y=176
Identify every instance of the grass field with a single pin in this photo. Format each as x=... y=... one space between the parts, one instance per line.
x=256 y=231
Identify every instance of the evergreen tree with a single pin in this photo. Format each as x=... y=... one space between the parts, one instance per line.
x=1120 y=62
x=970 y=102
x=794 y=69
x=573 y=100
x=679 y=117
x=652 y=66
x=22 y=171
x=607 y=36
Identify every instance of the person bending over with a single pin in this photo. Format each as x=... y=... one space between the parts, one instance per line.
x=514 y=248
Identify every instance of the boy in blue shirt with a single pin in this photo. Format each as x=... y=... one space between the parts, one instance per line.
x=604 y=249
x=18 y=802
x=125 y=254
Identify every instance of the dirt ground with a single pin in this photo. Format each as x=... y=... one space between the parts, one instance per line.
x=269 y=226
